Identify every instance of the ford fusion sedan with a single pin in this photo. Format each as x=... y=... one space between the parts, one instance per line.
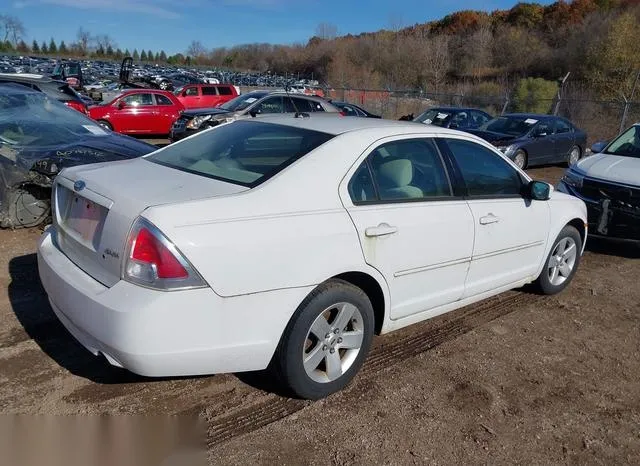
x=530 y=139
x=139 y=111
x=609 y=183
x=287 y=242
x=252 y=104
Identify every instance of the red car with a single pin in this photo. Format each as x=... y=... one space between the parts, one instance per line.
x=139 y=111
x=205 y=95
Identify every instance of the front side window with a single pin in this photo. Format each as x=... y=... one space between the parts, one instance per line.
x=243 y=152
x=403 y=170
x=191 y=92
x=479 y=118
x=563 y=127
x=270 y=105
x=137 y=100
x=485 y=173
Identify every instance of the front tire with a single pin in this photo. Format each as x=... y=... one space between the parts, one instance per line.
x=105 y=124
x=562 y=262
x=326 y=341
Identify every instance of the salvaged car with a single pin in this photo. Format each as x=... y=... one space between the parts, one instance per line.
x=287 y=242
x=609 y=183
x=39 y=137
x=251 y=104
x=531 y=139
x=454 y=117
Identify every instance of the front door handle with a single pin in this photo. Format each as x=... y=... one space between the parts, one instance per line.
x=489 y=219
x=383 y=229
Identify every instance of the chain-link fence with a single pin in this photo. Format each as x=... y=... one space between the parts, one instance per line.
x=601 y=120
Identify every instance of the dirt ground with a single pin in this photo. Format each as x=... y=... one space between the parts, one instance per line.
x=516 y=379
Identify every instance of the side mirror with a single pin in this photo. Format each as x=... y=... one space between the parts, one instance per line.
x=122 y=104
x=539 y=191
x=599 y=146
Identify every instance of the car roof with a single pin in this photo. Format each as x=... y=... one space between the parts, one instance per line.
x=336 y=124
x=145 y=90
x=537 y=116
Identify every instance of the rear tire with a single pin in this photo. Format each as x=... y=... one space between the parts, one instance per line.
x=105 y=124
x=562 y=262
x=325 y=342
x=575 y=154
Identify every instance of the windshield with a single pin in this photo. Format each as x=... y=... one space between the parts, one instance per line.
x=434 y=116
x=627 y=144
x=242 y=101
x=32 y=119
x=512 y=125
x=243 y=152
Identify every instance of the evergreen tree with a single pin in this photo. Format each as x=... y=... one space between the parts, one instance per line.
x=143 y=56
x=163 y=56
x=157 y=57
x=35 y=48
x=22 y=47
x=149 y=55
x=136 y=55
x=62 y=49
x=119 y=54
x=127 y=53
x=43 y=48
x=53 y=48
x=109 y=51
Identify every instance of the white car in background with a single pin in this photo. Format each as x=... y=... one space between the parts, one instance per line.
x=609 y=183
x=287 y=242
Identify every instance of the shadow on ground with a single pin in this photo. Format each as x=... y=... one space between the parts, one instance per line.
x=610 y=247
x=31 y=307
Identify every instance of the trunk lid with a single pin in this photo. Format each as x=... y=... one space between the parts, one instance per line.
x=94 y=207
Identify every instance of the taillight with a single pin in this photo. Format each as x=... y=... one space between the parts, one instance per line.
x=155 y=262
x=79 y=106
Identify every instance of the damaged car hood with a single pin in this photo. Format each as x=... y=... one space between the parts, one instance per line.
x=615 y=168
x=498 y=139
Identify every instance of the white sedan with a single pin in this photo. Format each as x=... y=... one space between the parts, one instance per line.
x=286 y=243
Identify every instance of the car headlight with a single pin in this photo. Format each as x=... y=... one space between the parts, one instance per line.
x=573 y=179
x=196 y=122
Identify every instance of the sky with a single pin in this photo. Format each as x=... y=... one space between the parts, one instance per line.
x=171 y=25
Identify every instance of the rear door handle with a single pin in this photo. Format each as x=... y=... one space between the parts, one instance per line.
x=383 y=229
x=489 y=219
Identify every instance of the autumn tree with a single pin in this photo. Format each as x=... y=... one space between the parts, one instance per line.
x=83 y=38
x=12 y=29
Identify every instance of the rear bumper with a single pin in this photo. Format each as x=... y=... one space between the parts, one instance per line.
x=156 y=333
x=612 y=219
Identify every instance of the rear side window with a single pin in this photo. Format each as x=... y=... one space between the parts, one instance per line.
x=163 y=100
x=191 y=92
x=225 y=90
x=485 y=173
x=209 y=90
x=244 y=152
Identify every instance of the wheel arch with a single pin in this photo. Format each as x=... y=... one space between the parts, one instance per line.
x=374 y=291
x=579 y=225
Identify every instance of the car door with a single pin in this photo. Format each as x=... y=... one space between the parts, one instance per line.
x=190 y=97
x=510 y=230
x=412 y=226
x=135 y=113
x=564 y=139
x=541 y=146
x=167 y=113
x=210 y=97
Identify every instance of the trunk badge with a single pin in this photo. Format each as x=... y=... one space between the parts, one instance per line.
x=79 y=185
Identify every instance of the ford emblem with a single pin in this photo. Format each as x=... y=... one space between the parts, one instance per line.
x=79 y=185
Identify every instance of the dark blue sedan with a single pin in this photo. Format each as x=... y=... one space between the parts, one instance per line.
x=530 y=139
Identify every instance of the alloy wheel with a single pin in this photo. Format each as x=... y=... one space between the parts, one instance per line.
x=333 y=342
x=520 y=159
x=574 y=156
x=562 y=261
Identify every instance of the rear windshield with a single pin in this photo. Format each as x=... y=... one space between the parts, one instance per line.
x=243 y=152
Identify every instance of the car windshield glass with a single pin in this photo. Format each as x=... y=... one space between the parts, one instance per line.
x=242 y=101
x=35 y=120
x=627 y=144
x=434 y=116
x=243 y=152
x=512 y=125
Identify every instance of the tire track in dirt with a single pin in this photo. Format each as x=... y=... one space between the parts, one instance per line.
x=227 y=426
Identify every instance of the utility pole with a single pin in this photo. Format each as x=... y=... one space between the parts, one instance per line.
x=627 y=102
x=560 y=91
